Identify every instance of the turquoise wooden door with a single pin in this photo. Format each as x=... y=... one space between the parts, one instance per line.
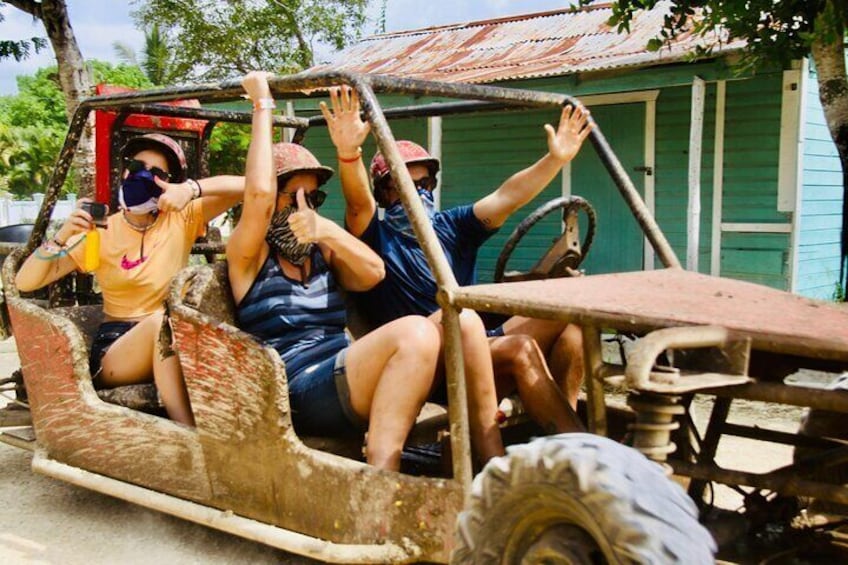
x=618 y=244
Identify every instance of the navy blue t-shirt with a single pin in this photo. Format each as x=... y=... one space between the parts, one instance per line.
x=409 y=286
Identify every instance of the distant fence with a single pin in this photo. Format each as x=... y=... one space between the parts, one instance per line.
x=25 y=211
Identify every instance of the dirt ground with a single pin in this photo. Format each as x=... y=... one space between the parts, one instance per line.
x=46 y=521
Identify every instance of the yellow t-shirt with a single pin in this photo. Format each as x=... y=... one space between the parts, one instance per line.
x=133 y=286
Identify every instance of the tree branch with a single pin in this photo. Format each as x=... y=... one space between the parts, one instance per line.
x=29 y=6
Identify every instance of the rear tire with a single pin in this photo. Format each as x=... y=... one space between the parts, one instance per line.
x=578 y=498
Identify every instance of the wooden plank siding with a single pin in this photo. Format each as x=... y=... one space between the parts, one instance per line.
x=480 y=151
x=672 y=157
x=820 y=215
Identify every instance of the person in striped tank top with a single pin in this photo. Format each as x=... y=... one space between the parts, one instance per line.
x=288 y=268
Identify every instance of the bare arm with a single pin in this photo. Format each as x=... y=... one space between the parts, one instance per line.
x=356 y=266
x=47 y=263
x=247 y=242
x=522 y=187
x=348 y=132
x=219 y=194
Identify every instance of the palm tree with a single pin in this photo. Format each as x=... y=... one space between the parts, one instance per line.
x=156 y=58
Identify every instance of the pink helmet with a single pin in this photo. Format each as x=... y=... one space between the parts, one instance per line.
x=163 y=144
x=291 y=158
x=411 y=153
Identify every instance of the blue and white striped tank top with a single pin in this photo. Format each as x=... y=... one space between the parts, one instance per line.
x=304 y=323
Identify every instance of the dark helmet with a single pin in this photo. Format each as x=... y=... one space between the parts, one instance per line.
x=291 y=158
x=163 y=144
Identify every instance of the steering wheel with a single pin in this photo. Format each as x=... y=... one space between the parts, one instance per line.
x=566 y=253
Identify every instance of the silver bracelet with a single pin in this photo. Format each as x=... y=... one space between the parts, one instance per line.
x=196 y=191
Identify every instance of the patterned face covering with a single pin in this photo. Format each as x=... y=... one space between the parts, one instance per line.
x=396 y=218
x=283 y=241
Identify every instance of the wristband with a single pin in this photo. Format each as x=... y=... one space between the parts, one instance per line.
x=353 y=159
x=196 y=191
x=264 y=104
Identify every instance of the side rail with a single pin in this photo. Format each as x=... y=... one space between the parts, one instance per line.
x=239 y=396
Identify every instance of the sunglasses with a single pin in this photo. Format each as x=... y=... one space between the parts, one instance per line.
x=314 y=199
x=424 y=183
x=136 y=166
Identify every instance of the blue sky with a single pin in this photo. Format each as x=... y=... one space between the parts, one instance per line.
x=99 y=23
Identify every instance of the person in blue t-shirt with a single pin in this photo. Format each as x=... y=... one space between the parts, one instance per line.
x=518 y=348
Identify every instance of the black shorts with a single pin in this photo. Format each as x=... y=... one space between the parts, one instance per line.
x=107 y=334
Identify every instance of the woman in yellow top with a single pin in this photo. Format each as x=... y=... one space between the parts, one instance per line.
x=141 y=249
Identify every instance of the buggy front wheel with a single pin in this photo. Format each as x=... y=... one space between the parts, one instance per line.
x=578 y=498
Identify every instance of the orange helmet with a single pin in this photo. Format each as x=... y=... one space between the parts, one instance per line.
x=291 y=158
x=411 y=153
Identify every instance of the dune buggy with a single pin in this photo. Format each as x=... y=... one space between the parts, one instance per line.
x=571 y=498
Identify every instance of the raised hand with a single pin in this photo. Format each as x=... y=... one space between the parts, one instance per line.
x=347 y=130
x=305 y=223
x=255 y=84
x=574 y=127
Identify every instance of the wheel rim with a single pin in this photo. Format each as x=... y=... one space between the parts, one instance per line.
x=556 y=527
x=563 y=544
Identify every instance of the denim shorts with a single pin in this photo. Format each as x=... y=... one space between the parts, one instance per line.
x=320 y=400
x=107 y=334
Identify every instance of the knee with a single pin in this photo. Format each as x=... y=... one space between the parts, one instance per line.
x=470 y=323
x=418 y=336
x=517 y=353
x=571 y=340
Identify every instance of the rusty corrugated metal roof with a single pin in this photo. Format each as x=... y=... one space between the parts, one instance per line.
x=534 y=45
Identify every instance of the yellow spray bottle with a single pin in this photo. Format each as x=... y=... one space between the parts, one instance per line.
x=91 y=259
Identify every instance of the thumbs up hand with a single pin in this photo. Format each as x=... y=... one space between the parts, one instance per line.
x=306 y=224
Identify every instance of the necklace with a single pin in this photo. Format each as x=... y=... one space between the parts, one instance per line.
x=126 y=263
x=137 y=227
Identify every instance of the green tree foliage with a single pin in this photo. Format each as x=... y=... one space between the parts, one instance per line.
x=19 y=49
x=774 y=32
x=157 y=56
x=216 y=40
x=228 y=149
x=33 y=126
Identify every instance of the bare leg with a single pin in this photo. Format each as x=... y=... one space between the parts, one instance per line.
x=390 y=372
x=562 y=345
x=519 y=364
x=480 y=381
x=138 y=357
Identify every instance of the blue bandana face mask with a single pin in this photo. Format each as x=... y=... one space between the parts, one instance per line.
x=396 y=218
x=139 y=193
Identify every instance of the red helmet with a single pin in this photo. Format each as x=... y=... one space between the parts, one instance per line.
x=167 y=146
x=411 y=153
x=291 y=158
